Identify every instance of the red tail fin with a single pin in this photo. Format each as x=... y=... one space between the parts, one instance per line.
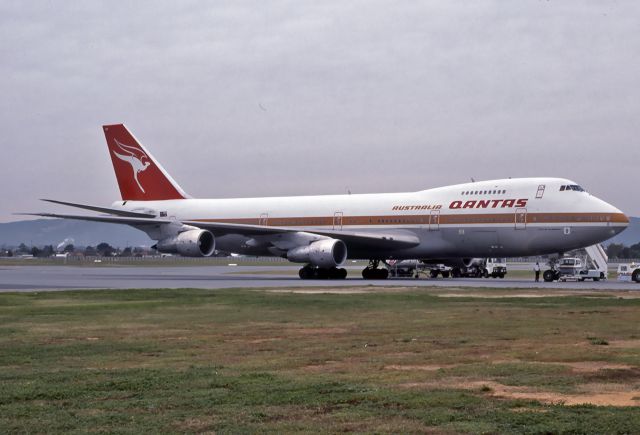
x=140 y=177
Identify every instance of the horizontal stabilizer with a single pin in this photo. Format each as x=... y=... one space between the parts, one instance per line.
x=107 y=219
x=113 y=211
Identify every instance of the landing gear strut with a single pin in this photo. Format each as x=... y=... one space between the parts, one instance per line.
x=552 y=274
x=372 y=271
x=311 y=272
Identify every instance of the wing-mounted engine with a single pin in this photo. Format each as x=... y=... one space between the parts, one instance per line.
x=191 y=243
x=325 y=253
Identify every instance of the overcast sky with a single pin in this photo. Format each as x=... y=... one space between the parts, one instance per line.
x=276 y=98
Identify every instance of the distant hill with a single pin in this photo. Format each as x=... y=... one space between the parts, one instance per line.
x=53 y=231
x=630 y=236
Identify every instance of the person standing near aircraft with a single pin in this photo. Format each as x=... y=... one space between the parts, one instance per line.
x=536 y=269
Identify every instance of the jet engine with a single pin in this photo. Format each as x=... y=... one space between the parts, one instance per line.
x=326 y=253
x=192 y=243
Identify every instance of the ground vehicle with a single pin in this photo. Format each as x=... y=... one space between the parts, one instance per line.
x=629 y=272
x=469 y=268
x=413 y=268
x=439 y=269
x=587 y=263
x=495 y=268
x=576 y=269
x=481 y=267
x=404 y=269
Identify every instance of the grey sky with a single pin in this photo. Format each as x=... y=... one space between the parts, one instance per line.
x=367 y=95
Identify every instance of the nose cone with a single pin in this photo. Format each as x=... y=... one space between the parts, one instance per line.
x=616 y=220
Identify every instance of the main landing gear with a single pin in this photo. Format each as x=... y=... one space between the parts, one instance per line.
x=372 y=271
x=311 y=272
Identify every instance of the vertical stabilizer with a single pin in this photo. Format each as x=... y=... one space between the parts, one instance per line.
x=140 y=176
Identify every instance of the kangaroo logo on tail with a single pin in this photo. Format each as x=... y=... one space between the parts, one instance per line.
x=137 y=158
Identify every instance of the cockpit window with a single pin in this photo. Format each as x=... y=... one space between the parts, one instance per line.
x=572 y=187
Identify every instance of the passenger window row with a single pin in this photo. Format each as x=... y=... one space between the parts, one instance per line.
x=484 y=192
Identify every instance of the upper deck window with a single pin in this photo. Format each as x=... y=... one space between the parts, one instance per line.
x=574 y=187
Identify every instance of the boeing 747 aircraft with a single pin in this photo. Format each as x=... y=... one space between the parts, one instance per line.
x=495 y=218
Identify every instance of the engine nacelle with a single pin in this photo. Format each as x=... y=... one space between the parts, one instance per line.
x=323 y=253
x=192 y=243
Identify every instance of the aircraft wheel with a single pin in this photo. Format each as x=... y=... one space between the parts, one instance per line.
x=342 y=273
x=433 y=274
x=501 y=275
x=455 y=272
x=322 y=273
x=305 y=273
x=369 y=273
x=636 y=275
x=445 y=274
x=548 y=275
x=486 y=273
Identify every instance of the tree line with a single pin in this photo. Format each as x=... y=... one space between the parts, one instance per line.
x=618 y=250
x=103 y=249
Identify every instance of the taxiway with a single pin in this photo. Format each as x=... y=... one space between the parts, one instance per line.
x=51 y=278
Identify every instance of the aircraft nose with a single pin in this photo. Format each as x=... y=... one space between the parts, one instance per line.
x=617 y=221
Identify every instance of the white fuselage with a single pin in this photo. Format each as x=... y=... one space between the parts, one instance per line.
x=509 y=217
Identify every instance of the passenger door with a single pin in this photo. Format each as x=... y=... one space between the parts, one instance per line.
x=521 y=218
x=337 y=220
x=264 y=219
x=434 y=220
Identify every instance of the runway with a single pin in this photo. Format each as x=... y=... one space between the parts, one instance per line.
x=53 y=278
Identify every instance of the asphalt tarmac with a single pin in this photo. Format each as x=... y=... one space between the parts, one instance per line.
x=52 y=278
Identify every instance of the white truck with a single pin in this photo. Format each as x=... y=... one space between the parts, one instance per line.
x=576 y=269
x=495 y=268
x=629 y=272
x=592 y=266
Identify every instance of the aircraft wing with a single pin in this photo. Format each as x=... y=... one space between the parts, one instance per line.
x=389 y=239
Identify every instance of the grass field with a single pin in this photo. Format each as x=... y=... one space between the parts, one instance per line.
x=358 y=359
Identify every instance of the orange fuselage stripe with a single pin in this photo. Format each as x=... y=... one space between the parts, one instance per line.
x=433 y=219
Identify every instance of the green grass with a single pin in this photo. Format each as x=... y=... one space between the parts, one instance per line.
x=149 y=361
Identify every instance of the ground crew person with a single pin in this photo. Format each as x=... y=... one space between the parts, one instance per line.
x=536 y=268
